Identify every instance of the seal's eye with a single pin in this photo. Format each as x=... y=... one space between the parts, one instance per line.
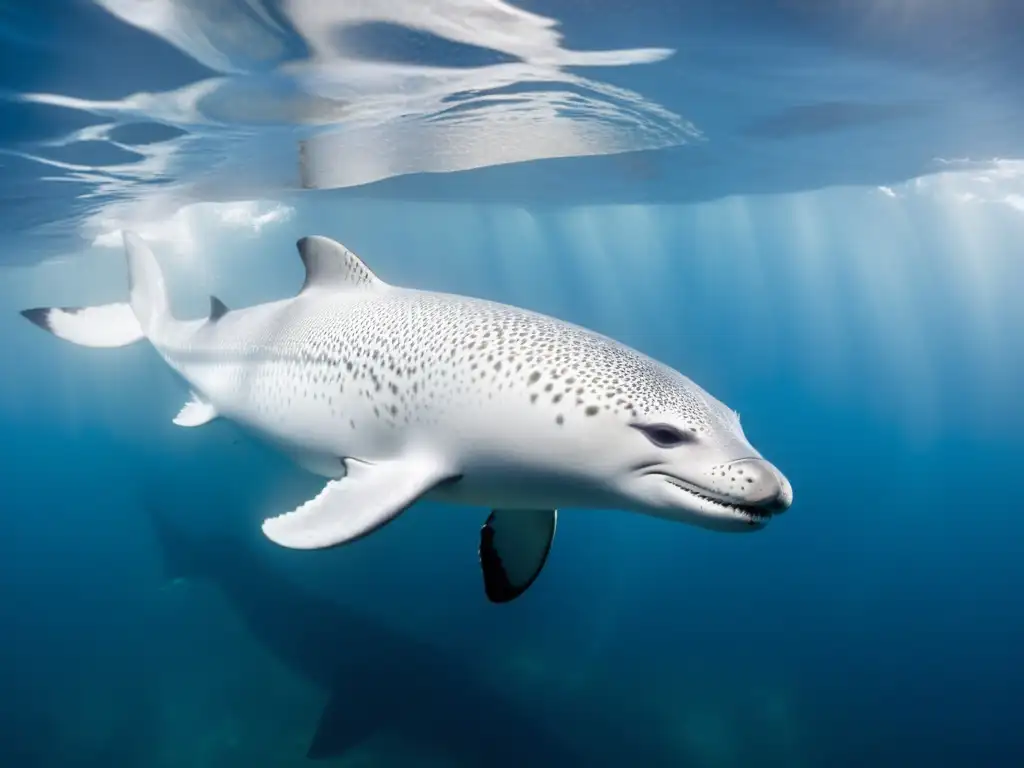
x=665 y=436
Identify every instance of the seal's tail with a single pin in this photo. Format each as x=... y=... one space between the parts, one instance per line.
x=147 y=293
x=109 y=325
x=120 y=324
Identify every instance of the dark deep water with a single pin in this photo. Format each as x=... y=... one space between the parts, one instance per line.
x=821 y=223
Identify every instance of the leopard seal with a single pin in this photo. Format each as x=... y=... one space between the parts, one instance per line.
x=395 y=394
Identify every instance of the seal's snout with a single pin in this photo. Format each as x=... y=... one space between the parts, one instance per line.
x=757 y=482
x=784 y=500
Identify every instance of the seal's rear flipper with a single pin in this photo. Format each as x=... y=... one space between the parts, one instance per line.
x=106 y=326
x=346 y=722
x=514 y=545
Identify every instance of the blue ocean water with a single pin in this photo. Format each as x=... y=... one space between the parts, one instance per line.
x=815 y=211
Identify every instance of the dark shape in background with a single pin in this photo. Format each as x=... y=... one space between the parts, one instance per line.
x=377 y=677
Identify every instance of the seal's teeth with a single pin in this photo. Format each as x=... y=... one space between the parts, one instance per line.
x=754 y=514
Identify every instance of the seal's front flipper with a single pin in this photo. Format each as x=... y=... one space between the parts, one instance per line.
x=195 y=413
x=368 y=497
x=514 y=545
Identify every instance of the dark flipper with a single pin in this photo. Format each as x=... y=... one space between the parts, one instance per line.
x=514 y=545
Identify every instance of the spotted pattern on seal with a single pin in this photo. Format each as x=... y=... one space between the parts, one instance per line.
x=414 y=355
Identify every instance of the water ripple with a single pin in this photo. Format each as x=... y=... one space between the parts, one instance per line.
x=308 y=89
x=457 y=99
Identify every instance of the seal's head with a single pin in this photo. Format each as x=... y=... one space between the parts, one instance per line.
x=690 y=461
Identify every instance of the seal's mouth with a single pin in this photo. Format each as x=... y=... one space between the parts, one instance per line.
x=722 y=506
